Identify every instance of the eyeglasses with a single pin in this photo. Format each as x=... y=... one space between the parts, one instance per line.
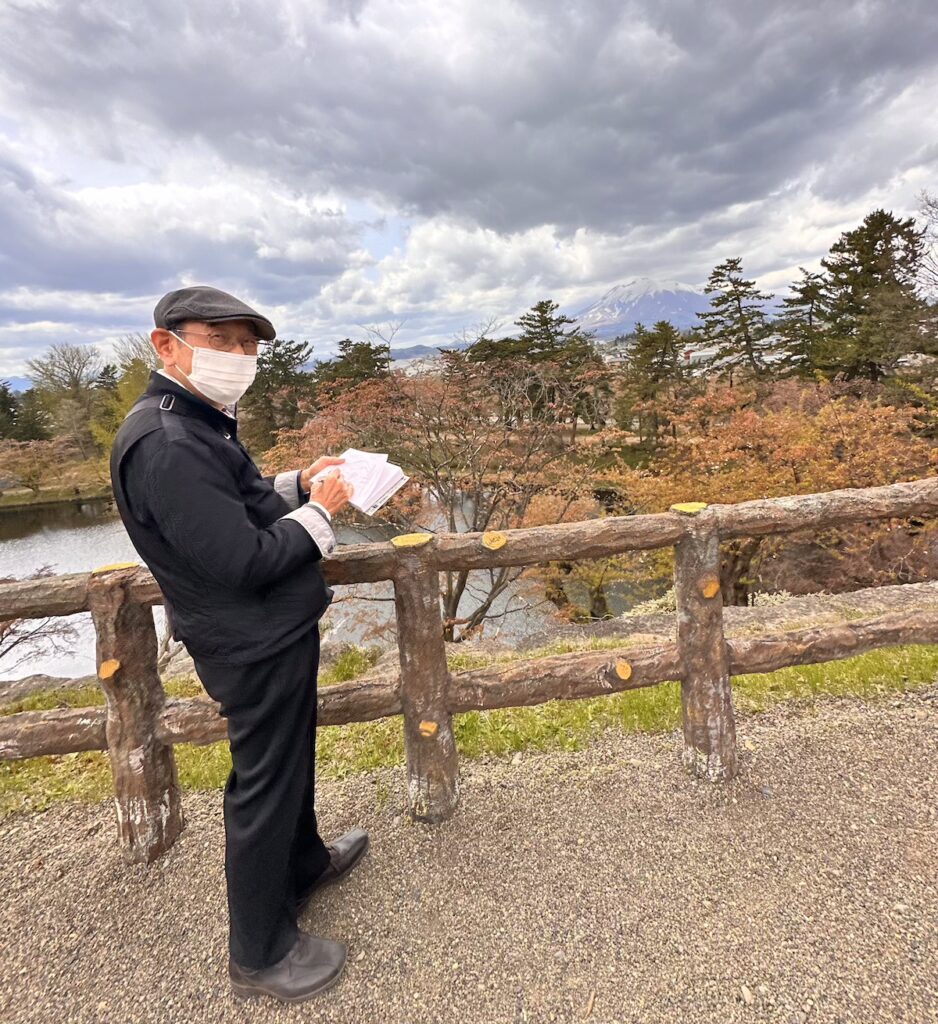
x=249 y=346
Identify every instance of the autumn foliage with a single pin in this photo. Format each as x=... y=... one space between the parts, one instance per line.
x=730 y=445
x=486 y=449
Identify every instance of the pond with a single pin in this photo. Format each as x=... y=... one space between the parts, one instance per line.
x=78 y=537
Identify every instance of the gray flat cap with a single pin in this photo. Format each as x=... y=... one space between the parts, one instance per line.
x=209 y=305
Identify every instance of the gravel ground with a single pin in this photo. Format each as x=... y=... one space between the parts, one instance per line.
x=600 y=885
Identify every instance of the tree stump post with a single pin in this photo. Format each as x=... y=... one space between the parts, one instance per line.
x=432 y=761
x=146 y=790
x=706 y=694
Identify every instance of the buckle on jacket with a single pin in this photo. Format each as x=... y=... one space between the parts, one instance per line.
x=164 y=406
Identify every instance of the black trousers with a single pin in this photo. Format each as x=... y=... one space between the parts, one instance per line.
x=273 y=850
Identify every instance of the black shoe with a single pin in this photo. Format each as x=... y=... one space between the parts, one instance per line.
x=345 y=853
x=311 y=966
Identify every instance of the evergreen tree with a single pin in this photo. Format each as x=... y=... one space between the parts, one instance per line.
x=8 y=405
x=736 y=321
x=547 y=336
x=928 y=272
x=656 y=368
x=107 y=379
x=356 y=362
x=875 y=314
x=802 y=324
x=33 y=422
x=542 y=337
x=282 y=395
x=542 y=331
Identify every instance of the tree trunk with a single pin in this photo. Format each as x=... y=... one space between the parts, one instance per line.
x=736 y=570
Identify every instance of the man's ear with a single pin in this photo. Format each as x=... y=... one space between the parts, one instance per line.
x=163 y=343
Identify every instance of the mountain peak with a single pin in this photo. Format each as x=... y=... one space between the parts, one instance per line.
x=643 y=300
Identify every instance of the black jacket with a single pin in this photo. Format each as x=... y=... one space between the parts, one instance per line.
x=235 y=556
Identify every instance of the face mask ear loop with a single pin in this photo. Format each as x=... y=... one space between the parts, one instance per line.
x=186 y=343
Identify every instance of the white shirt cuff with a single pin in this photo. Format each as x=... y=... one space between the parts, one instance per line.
x=316 y=525
x=287 y=485
x=323 y=509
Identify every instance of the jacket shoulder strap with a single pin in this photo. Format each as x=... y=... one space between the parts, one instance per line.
x=163 y=402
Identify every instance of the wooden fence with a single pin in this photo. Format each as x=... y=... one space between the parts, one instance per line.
x=138 y=726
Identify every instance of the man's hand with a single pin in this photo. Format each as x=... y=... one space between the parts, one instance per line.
x=332 y=492
x=323 y=463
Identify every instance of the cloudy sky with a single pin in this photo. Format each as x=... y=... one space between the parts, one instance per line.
x=437 y=162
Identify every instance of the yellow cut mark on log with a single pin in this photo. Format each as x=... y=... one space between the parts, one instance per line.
x=108 y=668
x=115 y=565
x=689 y=508
x=494 y=539
x=709 y=587
x=428 y=728
x=411 y=540
x=623 y=669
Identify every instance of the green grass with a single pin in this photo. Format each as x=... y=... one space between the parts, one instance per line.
x=559 y=725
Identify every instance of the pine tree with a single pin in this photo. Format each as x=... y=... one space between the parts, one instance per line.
x=356 y=362
x=736 y=321
x=656 y=368
x=549 y=337
x=7 y=410
x=542 y=330
x=802 y=324
x=107 y=379
x=875 y=314
x=282 y=394
x=32 y=423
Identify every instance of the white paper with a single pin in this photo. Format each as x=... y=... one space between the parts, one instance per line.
x=374 y=480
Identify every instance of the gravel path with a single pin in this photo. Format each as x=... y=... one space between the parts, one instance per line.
x=601 y=885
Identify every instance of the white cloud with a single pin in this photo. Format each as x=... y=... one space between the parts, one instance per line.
x=343 y=162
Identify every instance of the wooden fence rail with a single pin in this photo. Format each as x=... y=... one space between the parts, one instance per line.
x=138 y=725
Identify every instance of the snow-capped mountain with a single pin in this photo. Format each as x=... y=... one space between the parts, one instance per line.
x=645 y=301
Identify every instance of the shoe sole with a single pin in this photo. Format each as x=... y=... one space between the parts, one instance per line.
x=301 y=908
x=246 y=992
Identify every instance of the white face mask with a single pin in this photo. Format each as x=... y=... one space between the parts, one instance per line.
x=221 y=376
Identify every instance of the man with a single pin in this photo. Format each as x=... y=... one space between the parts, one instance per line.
x=235 y=555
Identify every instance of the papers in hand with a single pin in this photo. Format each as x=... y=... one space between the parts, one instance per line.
x=373 y=479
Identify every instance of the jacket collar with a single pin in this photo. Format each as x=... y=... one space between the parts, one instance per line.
x=195 y=406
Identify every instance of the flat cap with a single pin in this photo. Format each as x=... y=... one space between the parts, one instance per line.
x=210 y=305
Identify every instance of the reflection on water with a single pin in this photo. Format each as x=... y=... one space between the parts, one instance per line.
x=16 y=524
x=80 y=537
x=64 y=538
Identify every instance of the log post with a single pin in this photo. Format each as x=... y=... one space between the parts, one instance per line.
x=706 y=695
x=146 y=790
x=432 y=762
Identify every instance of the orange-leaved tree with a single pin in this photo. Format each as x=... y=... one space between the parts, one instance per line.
x=471 y=467
x=731 y=445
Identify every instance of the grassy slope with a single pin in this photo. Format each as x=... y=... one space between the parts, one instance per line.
x=34 y=784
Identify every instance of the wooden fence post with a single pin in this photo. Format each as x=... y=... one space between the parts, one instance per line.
x=706 y=694
x=432 y=761
x=146 y=790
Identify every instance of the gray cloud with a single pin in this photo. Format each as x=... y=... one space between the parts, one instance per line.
x=601 y=114
x=58 y=240
x=254 y=145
